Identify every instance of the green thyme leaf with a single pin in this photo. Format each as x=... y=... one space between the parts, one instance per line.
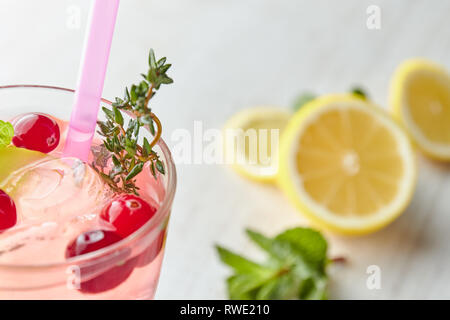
x=135 y=171
x=147 y=147
x=108 y=113
x=160 y=166
x=152 y=169
x=6 y=133
x=118 y=116
x=152 y=60
x=115 y=160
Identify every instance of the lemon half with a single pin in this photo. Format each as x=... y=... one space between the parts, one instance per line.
x=346 y=165
x=252 y=141
x=420 y=99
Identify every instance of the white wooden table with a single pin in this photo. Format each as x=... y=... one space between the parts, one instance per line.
x=232 y=54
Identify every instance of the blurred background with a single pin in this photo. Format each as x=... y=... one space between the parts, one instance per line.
x=232 y=54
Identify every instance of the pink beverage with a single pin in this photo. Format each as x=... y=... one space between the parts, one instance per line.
x=70 y=240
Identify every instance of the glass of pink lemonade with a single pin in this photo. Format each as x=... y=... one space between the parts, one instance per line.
x=73 y=237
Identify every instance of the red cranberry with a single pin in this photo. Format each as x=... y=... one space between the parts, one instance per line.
x=37 y=132
x=94 y=240
x=127 y=213
x=8 y=214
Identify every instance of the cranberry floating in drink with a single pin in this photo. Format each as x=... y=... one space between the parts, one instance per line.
x=95 y=240
x=8 y=215
x=37 y=132
x=127 y=213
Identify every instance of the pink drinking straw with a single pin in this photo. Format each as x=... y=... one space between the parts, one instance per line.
x=90 y=83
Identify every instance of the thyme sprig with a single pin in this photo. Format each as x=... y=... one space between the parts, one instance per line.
x=128 y=156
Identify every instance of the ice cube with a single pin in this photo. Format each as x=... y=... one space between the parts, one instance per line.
x=57 y=189
x=56 y=200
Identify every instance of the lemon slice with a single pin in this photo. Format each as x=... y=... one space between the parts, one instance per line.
x=252 y=141
x=346 y=165
x=12 y=159
x=420 y=98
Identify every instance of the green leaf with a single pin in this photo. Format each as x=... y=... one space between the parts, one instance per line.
x=245 y=286
x=152 y=59
x=267 y=290
x=242 y=265
x=308 y=243
x=133 y=94
x=166 y=80
x=118 y=116
x=164 y=68
x=133 y=163
x=115 y=160
x=147 y=147
x=261 y=240
x=313 y=289
x=130 y=150
x=135 y=171
x=287 y=288
x=104 y=130
x=303 y=99
x=295 y=268
x=278 y=250
x=161 y=62
x=160 y=166
x=359 y=92
x=6 y=133
x=143 y=87
x=109 y=114
x=152 y=169
x=151 y=126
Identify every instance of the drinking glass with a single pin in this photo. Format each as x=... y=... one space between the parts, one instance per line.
x=38 y=279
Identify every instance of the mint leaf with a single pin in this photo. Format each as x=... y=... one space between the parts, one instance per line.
x=6 y=133
x=314 y=289
x=249 y=275
x=280 y=252
x=360 y=93
x=245 y=286
x=262 y=241
x=288 y=287
x=295 y=269
x=241 y=264
x=267 y=291
x=308 y=243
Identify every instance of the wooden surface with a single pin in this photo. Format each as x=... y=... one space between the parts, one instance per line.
x=233 y=54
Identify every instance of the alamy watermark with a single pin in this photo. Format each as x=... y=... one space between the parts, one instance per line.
x=373 y=281
x=228 y=146
x=73 y=20
x=73 y=277
x=373 y=21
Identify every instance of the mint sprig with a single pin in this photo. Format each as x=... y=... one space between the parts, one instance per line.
x=295 y=268
x=6 y=133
